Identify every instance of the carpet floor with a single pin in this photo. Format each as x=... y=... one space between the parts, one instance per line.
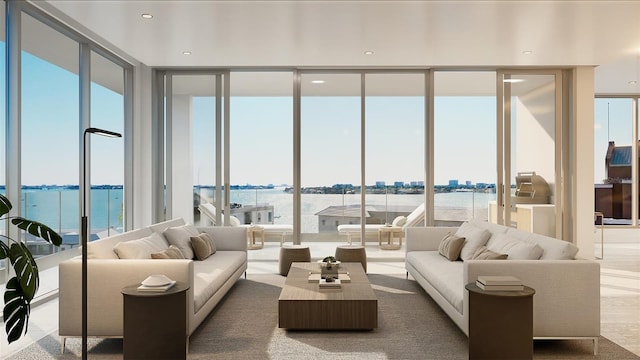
x=245 y=326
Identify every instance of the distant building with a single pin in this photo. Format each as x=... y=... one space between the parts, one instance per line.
x=453 y=183
x=398 y=184
x=417 y=183
x=381 y=184
x=468 y=183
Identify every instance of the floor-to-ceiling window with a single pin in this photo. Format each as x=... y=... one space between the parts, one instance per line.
x=464 y=145
x=614 y=143
x=49 y=137
x=107 y=155
x=330 y=126
x=261 y=151
x=3 y=121
x=529 y=151
x=394 y=145
x=46 y=124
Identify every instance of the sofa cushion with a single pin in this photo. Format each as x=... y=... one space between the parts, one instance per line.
x=475 y=237
x=172 y=252
x=450 y=246
x=445 y=276
x=103 y=248
x=209 y=275
x=552 y=249
x=141 y=248
x=516 y=249
x=180 y=236
x=203 y=246
x=485 y=254
x=494 y=229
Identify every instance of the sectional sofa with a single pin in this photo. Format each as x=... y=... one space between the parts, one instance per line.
x=566 y=304
x=126 y=259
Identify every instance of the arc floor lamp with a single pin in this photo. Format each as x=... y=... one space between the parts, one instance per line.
x=85 y=230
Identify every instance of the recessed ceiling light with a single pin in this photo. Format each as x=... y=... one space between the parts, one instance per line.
x=147 y=16
x=632 y=82
x=317 y=81
x=186 y=52
x=368 y=52
x=527 y=52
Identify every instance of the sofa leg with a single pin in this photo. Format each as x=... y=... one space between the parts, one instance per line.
x=63 y=340
x=406 y=275
x=245 y=275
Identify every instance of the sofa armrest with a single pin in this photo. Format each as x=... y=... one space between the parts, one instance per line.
x=567 y=298
x=232 y=238
x=106 y=279
x=426 y=238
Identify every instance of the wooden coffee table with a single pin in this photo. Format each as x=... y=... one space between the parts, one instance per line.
x=302 y=305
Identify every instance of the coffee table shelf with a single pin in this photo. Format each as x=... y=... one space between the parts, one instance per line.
x=302 y=305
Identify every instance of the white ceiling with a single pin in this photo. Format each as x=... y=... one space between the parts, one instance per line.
x=460 y=34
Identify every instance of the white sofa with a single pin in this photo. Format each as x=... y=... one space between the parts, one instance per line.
x=566 y=304
x=209 y=279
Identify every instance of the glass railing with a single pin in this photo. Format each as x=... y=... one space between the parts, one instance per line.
x=324 y=209
x=60 y=210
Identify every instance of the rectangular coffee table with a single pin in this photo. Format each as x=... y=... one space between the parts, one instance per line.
x=302 y=305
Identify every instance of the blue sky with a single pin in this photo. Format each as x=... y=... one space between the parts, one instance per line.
x=261 y=135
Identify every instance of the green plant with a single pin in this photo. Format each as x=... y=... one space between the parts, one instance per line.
x=23 y=286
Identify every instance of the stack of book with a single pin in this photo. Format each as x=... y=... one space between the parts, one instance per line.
x=332 y=284
x=499 y=283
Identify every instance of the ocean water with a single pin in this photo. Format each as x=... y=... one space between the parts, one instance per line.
x=59 y=209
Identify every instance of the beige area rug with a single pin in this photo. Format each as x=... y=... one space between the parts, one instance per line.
x=245 y=326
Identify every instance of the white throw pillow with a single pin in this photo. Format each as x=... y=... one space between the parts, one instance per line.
x=516 y=249
x=180 y=236
x=141 y=248
x=234 y=221
x=399 y=221
x=475 y=237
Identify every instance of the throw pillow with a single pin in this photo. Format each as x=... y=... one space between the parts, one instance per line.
x=180 y=236
x=171 y=253
x=475 y=238
x=140 y=248
x=485 y=254
x=399 y=221
x=203 y=246
x=450 y=246
x=516 y=249
x=234 y=221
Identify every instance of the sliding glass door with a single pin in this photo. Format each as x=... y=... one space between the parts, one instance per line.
x=529 y=149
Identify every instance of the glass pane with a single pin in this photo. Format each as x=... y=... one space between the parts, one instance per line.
x=532 y=103
x=261 y=148
x=395 y=117
x=50 y=147
x=203 y=139
x=330 y=152
x=107 y=154
x=3 y=85
x=612 y=159
x=193 y=137
x=465 y=146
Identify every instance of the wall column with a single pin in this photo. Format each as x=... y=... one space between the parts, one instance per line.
x=581 y=160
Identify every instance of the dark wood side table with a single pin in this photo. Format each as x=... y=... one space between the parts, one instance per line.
x=500 y=323
x=155 y=323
